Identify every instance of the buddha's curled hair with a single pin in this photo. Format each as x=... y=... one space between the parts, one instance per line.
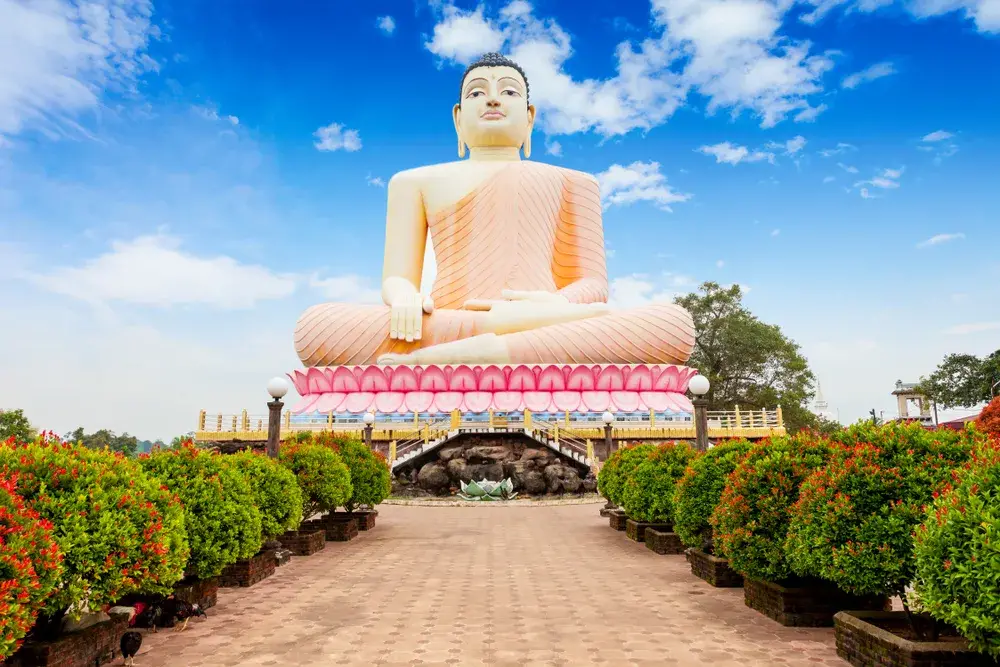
x=494 y=59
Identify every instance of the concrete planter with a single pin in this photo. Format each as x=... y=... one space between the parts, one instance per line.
x=202 y=592
x=248 y=572
x=617 y=519
x=808 y=603
x=636 y=530
x=303 y=542
x=713 y=569
x=94 y=645
x=663 y=542
x=882 y=638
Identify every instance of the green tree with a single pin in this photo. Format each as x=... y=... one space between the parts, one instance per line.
x=124 y=443
x=962 y=380
x=749 y=363
x=13 y=424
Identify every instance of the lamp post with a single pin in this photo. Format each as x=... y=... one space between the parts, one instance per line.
x=277 y=388
x=608 y=420
x=369 y=420
x=699 y=386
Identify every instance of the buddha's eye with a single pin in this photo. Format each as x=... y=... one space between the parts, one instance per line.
x=512 y=92
x=475 y=93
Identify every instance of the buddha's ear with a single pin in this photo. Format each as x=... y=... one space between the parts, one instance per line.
x=456 y=114
x=526 y=146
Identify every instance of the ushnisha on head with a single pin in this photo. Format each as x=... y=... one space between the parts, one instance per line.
x=493 y=108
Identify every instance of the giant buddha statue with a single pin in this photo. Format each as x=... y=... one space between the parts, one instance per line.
x=521 y=275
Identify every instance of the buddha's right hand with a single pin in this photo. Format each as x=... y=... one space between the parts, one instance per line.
x=407 y=315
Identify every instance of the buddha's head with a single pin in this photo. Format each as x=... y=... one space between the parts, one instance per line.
x=493 y=108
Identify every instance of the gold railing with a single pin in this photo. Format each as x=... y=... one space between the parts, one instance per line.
x=735 y=423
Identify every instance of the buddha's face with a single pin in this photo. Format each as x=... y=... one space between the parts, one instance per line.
x=494 y=110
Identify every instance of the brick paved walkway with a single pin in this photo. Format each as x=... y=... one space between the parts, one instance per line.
x=461 y=586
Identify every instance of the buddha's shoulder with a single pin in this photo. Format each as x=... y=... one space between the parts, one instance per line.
x=573 y=175
x=425 y=172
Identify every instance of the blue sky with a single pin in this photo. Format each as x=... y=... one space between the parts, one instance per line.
x=179 y=180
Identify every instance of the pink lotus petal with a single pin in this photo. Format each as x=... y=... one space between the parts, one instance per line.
x=521 y=379
x=566 y=400
x=507 y=401
x=640 y=378
x=538 y=401
x=656 y=400
x=329 y=401
x=551 y=379
x=344 y=380
x=492 y=379
x=478 y=401
x=419 y=401
x=358 y=401
x=581 y=378
x=682 y=403
x=433 y=378
x=446 y=401
x=305 y=404
x=317 y=381
x=373 y=378
x=463 y=378
x=625 y=401
x=403 y=379
x=389 y=401
x=298 y=379
x=610 y=379
x=596 y=401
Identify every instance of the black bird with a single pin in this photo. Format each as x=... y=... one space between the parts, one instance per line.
x=131 y=641
x=183 y=611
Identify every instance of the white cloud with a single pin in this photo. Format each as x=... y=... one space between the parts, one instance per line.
x=212 y=113
x=840 y=148
x=886 y=179
x=775 y=232
x=350 y=288
x=939 y=135
x=938 y=239
x=727 y=50
x=985 y=13
x=848 y=168
x=728 y=153
x=829 y=179
x=639 y=181
x=872 y=73
x=810 y=114
x=633 y=291
x=335 y=137
x=154 y=271
x=790 y=147
x=60 y=58
x=375 y=180
x=976 y=327
x=553 y=148
x=719 y=264
x=386 y=24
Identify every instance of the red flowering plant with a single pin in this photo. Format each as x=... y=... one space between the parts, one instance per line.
x=699 y=489
x=751 y=519
x=617 y=469
x=988 y=420
x=957 y=552
x=30 y=566
x=222 y=519
x=322 y=474
x=854 y=519
x=371 y=481
x=119 y=530
x=648 y=492
x=276 y=491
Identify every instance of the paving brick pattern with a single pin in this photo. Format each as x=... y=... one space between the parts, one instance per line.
x=502 y=587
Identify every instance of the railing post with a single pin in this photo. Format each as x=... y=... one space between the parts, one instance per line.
x=567 y=418
x=456 y=419
x=234 y=423
x=201 y=420
x=739 y=419
x=244 y=421
x=288 y=419
x=527 y=419
x=416 y=420
x=392 y=452
x=427 y=433
x=218 y=423
x=555 y=434
x=652 y=417
x=491 y=417
x=781 y=419
x=590 y=450
x=329 y=420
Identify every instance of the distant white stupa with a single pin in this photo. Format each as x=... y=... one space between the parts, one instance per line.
x=820 y=407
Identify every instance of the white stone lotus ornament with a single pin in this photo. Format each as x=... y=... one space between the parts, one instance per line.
x=487 y=490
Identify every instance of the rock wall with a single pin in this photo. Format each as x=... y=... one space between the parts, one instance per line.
x=533 y=468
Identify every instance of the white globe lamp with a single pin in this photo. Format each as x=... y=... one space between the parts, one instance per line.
x=277 y=387
x=699 y=385
x=369 y=418
x=608 y=418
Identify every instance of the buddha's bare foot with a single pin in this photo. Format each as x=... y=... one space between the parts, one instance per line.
x=483 y=349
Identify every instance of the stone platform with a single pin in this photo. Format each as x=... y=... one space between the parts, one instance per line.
x=509 y=388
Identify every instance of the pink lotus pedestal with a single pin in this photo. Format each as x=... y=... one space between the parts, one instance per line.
x=507 y=388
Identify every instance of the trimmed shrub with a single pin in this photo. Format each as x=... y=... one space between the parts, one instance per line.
x=957 y=556
x=30 y=566
x=322 y=475
x=275 y=489
x=648 y=493
x=371 y=481
x=854 y=518
x=223 y=524
x=618 y=467
x=119 y=531
x=699 y=489
x=988 y=420
x=750 y=522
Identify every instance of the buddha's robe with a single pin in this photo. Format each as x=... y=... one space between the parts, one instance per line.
x=530 y=227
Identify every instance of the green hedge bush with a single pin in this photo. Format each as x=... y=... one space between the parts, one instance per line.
x=223 y=524
x=618 y=467
x=957 y=553
x=750 y=522
x=322 y=475
x=371 y=481
x=276 y=492
x=30 y=566
x=854 y=518
x=648 y=492
x=119 y=531
x=698 y=491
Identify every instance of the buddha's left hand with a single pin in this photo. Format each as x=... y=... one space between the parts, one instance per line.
x=537 y=296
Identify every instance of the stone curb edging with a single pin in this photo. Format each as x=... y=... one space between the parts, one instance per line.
x=454 y=502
